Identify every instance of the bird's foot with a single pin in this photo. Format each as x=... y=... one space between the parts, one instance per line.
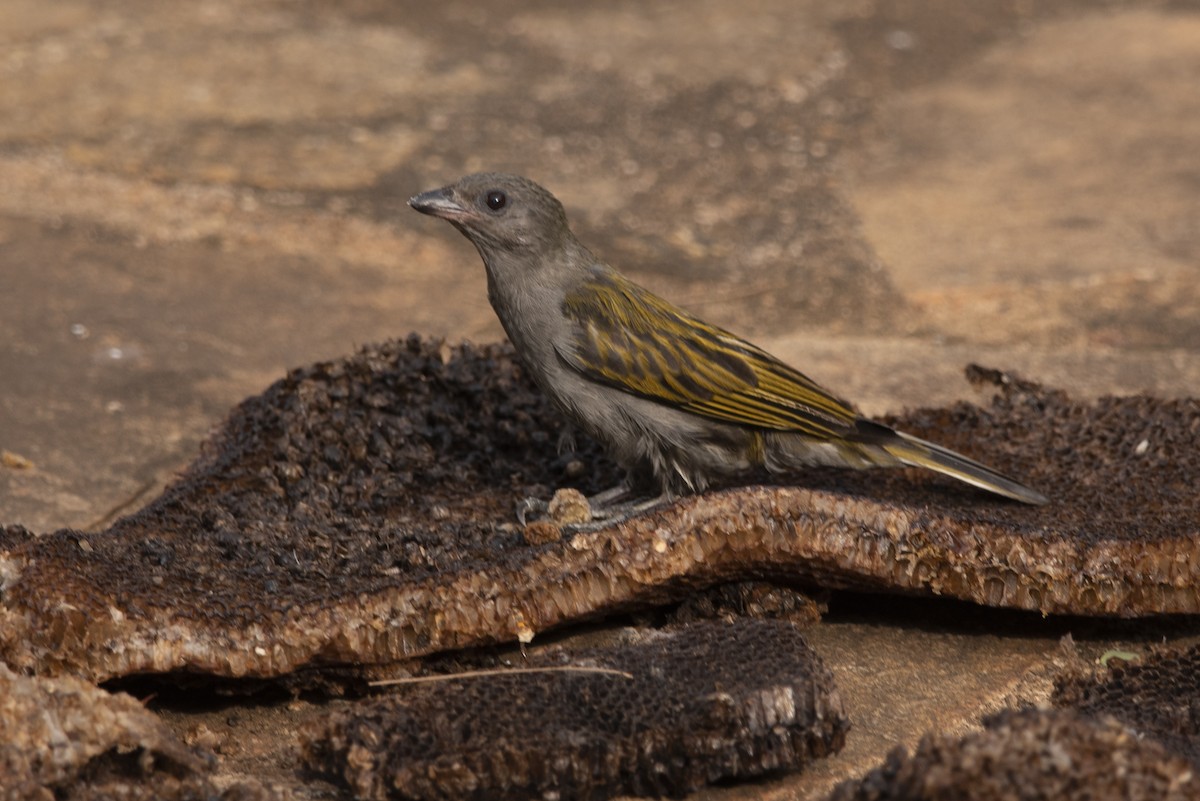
x=618 y=512
x=574 y=512
x=570 y=506
x=613 y=496
x=531 y=506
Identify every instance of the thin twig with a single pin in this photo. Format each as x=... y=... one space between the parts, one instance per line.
x=471 y=674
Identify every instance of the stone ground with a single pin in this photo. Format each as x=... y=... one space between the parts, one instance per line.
x=195 y=197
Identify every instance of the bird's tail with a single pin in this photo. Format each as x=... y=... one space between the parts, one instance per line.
x=917 y=452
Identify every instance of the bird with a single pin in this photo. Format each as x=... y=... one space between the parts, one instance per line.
x=678 y=403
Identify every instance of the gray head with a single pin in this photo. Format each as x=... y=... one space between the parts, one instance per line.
x=503 y=215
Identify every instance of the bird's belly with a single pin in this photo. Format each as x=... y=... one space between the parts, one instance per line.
x=682 y=451
x=786 y=450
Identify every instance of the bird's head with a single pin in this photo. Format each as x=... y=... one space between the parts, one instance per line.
x=503 y=215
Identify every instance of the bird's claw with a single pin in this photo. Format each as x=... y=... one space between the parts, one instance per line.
x=535 y=506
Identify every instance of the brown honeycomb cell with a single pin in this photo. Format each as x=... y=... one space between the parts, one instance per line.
x=688 y=707
x=749 y=599
x=1030 y=756
x=361 y=511
x=1159 y=698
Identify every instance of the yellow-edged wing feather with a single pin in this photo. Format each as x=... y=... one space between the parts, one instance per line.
x=633 y=340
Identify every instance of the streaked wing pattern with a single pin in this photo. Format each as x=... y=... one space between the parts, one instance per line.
x=634 y=340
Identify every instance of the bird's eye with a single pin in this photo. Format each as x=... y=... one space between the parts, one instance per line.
x=496 y=200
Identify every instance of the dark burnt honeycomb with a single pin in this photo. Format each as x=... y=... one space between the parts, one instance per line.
x=1118 y=468
x=705 y=702
x=1030 y=756
x=65 y=739
x=362 y=511
x=1159 y=698
x=407 y=458
x=742 y=599
x=11 y=536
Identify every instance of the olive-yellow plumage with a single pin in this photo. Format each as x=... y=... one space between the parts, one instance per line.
x=678 y=402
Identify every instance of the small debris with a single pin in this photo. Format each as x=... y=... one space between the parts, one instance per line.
x=540 y=532
x=569 y=507
x=1123 y=656
x=203 y=737
x=15 y=461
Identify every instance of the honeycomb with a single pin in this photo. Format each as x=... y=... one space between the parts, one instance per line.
x=696 y=704
x=1159 y=698
x=65 y=739
x=361 y=511
x=1030 y=756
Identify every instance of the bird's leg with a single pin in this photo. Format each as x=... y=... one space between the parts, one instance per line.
x=618 y=511
x=638 y=493
x=613 y=505
x=609 y=496
x=532 y=508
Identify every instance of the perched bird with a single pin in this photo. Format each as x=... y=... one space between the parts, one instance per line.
x=677 y=402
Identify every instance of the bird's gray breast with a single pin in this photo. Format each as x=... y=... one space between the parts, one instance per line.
x=682 y=450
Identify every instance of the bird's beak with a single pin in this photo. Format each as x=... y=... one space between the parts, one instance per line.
x=438 y=203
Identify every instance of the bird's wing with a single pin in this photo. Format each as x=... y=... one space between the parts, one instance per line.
x=628 y=338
